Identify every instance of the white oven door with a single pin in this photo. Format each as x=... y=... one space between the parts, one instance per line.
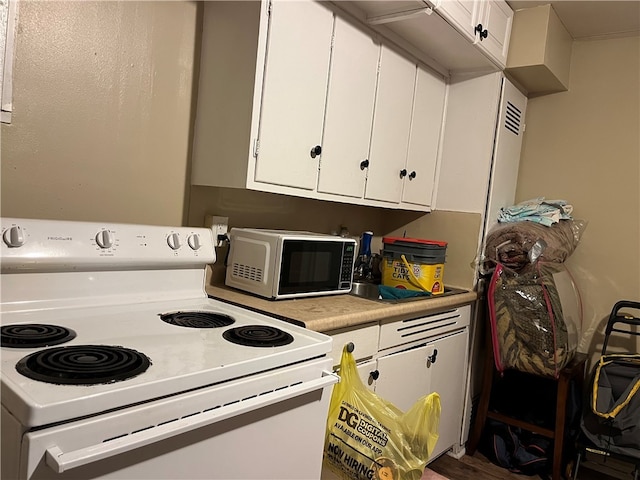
x=267 y=426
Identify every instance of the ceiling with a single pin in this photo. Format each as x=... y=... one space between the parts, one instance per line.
x=592 y=18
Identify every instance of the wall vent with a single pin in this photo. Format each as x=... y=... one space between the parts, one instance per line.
x=513 y=118
x=247 y=272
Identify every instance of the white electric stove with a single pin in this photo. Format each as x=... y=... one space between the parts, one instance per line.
x=116 y=364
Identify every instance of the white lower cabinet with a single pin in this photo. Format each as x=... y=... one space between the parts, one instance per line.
x=415 y=357
x=479 y=175
x=364 y=339
x=365 y=343
x=437 y=366
x=367 y=371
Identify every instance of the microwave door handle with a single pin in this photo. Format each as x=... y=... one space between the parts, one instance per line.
x=60 y=461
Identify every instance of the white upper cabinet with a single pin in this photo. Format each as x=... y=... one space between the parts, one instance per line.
x=294 y=92
x=461 y=14
x=311 y=102
x=493 y=28
x=462 y=35
x=349 y=113
x=506 y=151
x=391 y=126
x=399 y=166
x=487 y=23
x=261 y=98
x=426 y=125
x=479 y=174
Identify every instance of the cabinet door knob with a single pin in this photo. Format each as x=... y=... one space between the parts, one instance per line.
x=364 y=164
x=375 y=374
x=315 y=151
x=412 y=175
x=432 y=358
x=403 y=173
x=483 y=33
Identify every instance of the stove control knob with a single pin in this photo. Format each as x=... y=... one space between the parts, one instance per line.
x=194 y=241
x=14 y=236
x=104 y=239
x=173 y=240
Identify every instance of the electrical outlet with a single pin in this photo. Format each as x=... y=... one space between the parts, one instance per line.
x=219 y=226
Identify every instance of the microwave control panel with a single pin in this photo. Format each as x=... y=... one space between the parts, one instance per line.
x=348 y=257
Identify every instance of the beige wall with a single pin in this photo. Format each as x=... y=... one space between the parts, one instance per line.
x=459 y=230
x=265 y=210
x=102 y=112
x=583 y=145
x=103 y=109
x=102 y=126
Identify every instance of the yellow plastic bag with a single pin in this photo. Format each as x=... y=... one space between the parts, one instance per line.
x=369 y=438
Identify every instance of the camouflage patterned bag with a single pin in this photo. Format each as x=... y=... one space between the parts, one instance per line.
x=528 y=330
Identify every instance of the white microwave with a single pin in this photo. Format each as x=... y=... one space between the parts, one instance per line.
x=281 y=264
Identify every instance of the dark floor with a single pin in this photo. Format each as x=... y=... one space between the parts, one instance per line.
x=477 y=467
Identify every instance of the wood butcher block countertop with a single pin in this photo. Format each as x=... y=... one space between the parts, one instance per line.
x=333 y=312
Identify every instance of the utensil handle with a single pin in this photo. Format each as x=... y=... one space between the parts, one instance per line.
x=60 y=461
x=412 y=275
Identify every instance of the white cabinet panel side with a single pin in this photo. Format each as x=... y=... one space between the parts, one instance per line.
x=467 y=147
x=228 y=92
x=506 y=157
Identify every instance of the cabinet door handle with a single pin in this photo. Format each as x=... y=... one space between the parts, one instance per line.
x=483 y=33
x=412 y=175
x=432 y=358
x=315 y=151
x=364 y=164
x=403 y=173
x=375 y=374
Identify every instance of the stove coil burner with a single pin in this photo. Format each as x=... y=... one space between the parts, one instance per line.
x=258 y=336
x=32 y=335
x=83 y=364
x=197 y=319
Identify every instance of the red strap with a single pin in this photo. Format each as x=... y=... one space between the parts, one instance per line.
x=492 y=316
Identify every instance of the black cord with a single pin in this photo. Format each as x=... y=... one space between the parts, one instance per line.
x=226 y=240
x=608 y=449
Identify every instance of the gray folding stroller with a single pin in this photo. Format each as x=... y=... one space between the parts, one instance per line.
x=610 y=424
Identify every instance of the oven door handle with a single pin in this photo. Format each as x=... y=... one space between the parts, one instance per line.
x=61 y=461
